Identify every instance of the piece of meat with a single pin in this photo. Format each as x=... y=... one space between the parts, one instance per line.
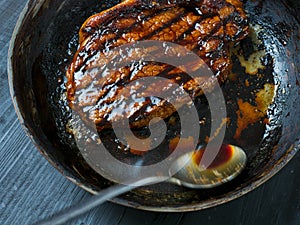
x=206 y=27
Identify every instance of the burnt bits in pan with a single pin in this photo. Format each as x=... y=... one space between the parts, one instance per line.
x=248 y=91
x=52 y=117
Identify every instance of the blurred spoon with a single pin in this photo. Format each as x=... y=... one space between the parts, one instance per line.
x=229 y=163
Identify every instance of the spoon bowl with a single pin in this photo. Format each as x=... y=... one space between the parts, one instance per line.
x=228 y=164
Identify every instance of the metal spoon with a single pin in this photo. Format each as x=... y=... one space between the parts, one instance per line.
x=230 y=161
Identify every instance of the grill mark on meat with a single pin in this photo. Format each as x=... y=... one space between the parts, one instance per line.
x=164 y=73
x=184 y=33
x=170 y=68
x=191 y=28
x=110 y=38
x=211 y=46
x=179 y=41
x=175 y=20
x=120 y=32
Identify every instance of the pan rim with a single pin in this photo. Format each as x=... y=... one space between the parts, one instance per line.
x=234 y=194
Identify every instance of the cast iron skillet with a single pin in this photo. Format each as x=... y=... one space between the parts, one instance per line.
x=45 y=40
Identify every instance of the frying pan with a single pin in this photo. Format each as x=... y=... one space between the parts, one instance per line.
x=264 y=81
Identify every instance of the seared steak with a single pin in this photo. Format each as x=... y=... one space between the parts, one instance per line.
x=206 y=27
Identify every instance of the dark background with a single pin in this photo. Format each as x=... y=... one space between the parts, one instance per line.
x=30 y=188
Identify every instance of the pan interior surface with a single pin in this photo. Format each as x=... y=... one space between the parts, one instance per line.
x=261 y=93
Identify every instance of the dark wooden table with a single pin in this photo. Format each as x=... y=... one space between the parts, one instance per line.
x=30 y=188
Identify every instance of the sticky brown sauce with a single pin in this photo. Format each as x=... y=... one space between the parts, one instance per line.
x=224 y=155
x=249 y=92
x=249 y=114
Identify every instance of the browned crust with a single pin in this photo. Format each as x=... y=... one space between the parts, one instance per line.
x=221 y=23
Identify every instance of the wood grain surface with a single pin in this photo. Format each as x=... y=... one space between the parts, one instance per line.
x=31 y=189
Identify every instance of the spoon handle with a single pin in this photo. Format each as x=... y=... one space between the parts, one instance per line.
x=83 y=207
x=94 y=201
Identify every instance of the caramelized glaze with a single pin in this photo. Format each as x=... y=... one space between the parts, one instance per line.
x=207 y=27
